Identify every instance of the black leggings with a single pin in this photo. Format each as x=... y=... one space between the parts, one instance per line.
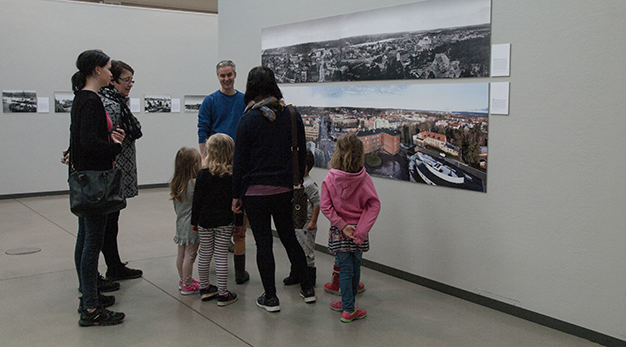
x=260 y=210
x=109 y=247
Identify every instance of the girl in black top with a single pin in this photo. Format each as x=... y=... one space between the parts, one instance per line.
x=212 y=217
x=93 y=146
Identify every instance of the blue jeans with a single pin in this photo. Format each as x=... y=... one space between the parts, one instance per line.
x=349 y=277
x=260 y=211
x=88 y=245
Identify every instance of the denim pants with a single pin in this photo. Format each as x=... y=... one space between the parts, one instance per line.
x=349 y=277
x=260 y=210
x=88 y=245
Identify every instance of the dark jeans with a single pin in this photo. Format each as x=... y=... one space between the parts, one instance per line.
x=109 y=247
x=88 y=245
x=349 y=277
x=260 y=210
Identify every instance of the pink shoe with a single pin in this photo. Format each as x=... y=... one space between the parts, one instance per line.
x=180 y=284
x=336 y=306
x=348 y=317
x=193 y=288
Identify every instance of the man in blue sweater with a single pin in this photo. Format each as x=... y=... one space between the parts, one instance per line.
x=220 y=113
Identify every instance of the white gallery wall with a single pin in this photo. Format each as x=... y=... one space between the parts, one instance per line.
x=171 y=52
x=549 y=235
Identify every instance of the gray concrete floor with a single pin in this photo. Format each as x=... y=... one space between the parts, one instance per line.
x=39 y=297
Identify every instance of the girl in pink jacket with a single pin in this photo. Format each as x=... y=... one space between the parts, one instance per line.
x=350 y=202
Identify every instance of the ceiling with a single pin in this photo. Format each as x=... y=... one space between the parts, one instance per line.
x=205 y=6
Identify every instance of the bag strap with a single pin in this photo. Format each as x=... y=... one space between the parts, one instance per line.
x=294 y=148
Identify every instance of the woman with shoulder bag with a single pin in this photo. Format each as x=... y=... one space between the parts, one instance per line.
x=263 y=180
x=93 y=147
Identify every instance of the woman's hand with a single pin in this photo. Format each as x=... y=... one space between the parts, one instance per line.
x=236 y=206
x=118 y=135
x=66 y=157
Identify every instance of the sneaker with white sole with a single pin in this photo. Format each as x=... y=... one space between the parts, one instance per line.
x=269 y=304
x=227 y=299
x=180 y=283
x=308 y=295
x=208 y=293
x=193 y=288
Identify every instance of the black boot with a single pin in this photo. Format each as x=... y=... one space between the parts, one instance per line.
x=313 y=274
x=241 y=275
x=291 y=279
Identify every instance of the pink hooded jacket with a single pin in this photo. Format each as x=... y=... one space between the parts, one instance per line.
x=350 y=198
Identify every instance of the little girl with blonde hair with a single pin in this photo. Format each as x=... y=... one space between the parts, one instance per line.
x=213 y=218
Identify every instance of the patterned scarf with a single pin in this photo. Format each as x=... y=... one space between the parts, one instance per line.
x=130 y=123
x=110 y=92
x=267 y=107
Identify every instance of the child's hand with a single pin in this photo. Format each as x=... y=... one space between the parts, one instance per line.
x=311 y=226
x=348 y=230
x=194 y=228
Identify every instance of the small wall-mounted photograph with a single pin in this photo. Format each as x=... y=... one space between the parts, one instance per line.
x=63 y=102
x=193 y=102
x=19 y=101
x=158 y=103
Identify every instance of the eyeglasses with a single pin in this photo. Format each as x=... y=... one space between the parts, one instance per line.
x=127 y=80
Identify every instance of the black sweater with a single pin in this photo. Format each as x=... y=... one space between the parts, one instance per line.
x=212 y=201
x=263 y=151
x=90 y=148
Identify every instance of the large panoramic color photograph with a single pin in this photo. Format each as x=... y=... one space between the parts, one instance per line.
x=431 y=134
x=425 y=40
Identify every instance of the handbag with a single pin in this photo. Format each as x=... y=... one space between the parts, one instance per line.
x=300 y=200
x=96 y=192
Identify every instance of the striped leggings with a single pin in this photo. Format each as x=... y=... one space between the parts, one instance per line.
x=214 y=242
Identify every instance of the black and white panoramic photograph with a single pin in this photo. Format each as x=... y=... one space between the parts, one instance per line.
x=63 y=102
x=193 y=102
x=158 y=103
x=425 y=40
x=19 y=101
x=430 y=134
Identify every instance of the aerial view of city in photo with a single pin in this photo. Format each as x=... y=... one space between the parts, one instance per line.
x=440 y=53
x=429 y=143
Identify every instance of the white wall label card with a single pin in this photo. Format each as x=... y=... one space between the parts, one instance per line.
x=175 y=105
x=499 y=98
x=135 y=105
x=43 y=105
x=501 y=60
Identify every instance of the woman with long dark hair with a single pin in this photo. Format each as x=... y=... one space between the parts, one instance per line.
x=263 y=180
x=93 y=146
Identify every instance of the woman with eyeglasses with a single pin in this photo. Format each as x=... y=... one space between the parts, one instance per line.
x=116 y=103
